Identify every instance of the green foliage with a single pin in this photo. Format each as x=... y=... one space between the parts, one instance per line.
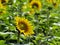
x=46 y=24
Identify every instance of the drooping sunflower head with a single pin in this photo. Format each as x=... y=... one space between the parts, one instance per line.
x=24 y=26
x=35 y=4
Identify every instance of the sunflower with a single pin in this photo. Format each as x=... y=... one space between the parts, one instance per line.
x=35 y=4
x=24 y=26
x=3 y=3
x=55 y=4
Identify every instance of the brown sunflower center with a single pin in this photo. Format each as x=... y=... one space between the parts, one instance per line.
x=23 y=26
x=35 y=5
x=54 y=4
x=3 y=2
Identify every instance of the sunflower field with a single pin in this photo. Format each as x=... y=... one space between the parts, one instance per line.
x=29 y=22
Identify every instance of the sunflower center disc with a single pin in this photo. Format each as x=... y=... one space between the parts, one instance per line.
x=35 y=5
x=54 y=4
x=22 y=26
x=3 y=1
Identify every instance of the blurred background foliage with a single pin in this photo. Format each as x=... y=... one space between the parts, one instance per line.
x=46 y=23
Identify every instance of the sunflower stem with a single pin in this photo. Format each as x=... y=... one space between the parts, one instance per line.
x=48 y=19
x=18 y=36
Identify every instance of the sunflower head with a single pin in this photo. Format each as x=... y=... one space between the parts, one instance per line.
x=35 y=4
x=3 y=2
x=55 y=4
x=24 y=26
